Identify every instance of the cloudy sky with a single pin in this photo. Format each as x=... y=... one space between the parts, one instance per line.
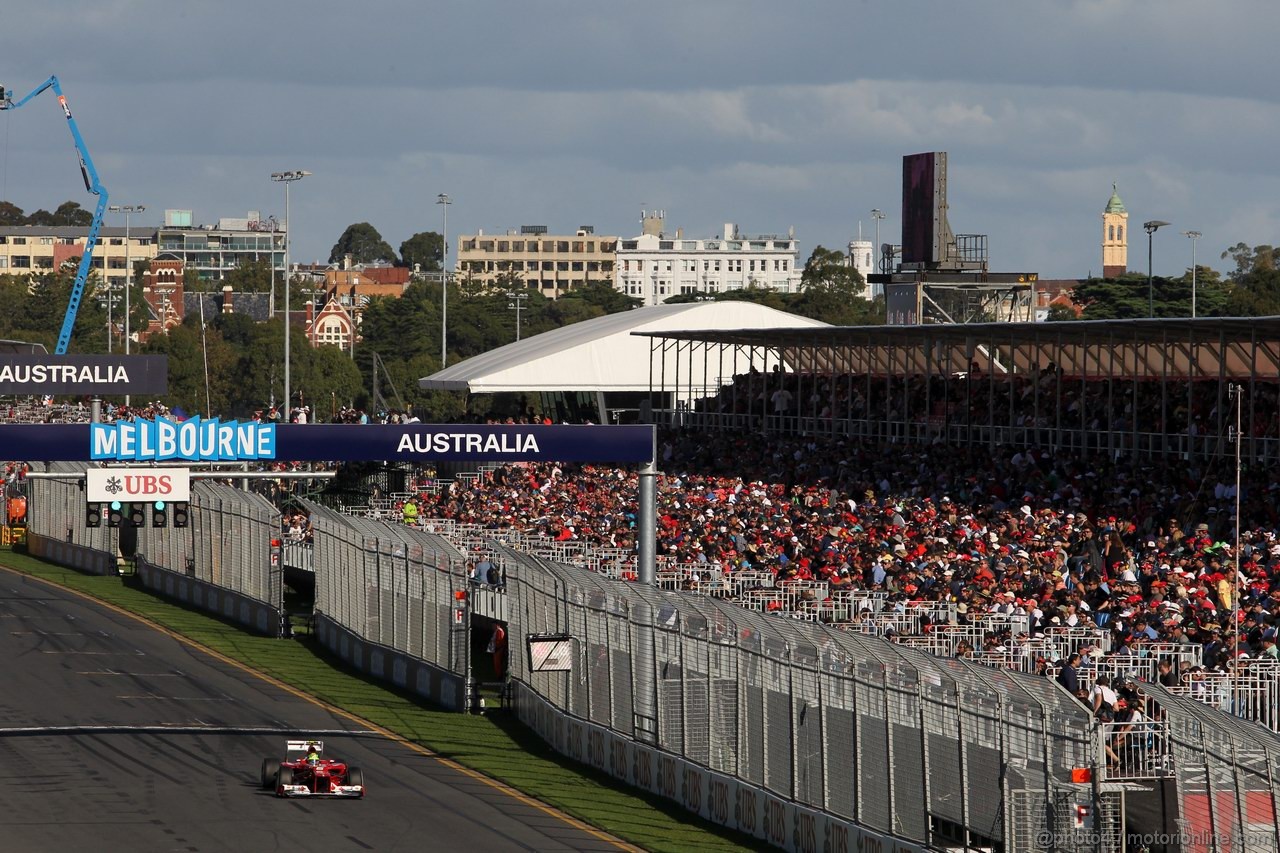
x=770 y=115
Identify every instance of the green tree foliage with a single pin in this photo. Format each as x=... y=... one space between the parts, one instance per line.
x=1128 y=297
x=11 y=214
x=251 y=276
x=1253 y=289
x=32 y=308
x=603 y=296
x=828 y=271
x=186 y=350
x=424 y=250
x=765 y=296
x=71 y=213
x=68 y=213
x=364 y=244
x=831 y=291
x=1249 y=259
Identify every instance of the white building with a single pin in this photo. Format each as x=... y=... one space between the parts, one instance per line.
x=862 y=259
x=656 y=266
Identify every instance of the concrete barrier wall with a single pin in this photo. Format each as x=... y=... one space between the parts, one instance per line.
x=79 y=557
x=436 y=685
x=713 y=796
x=211 y=598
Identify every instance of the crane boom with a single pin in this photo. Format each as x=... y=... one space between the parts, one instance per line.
x=91 y=183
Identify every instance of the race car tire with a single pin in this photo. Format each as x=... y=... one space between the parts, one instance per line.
x=284 y=777
x=270 y=768
x=355 y=776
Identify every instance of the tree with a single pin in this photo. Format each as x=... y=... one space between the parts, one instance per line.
x=765 y=296
x=11 y=214
x=829 y=271
x=250 y=276
x=1256 y=294
x=424 y=250
x=71 y=213
x=185 y=349
x=602 y=295
x=831 y=291
x=364 y=244
x=1250 y=259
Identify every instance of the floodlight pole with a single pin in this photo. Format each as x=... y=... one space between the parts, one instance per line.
x=287 y=178
x=444 y=201
x=126 y=209
x=1236 y=391
x=1151 y=228
x=1193 y=236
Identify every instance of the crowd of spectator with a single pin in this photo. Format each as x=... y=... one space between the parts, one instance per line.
x=1145 y=552
x=295 y=525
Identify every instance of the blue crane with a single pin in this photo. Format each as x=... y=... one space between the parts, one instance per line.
x=91 y=183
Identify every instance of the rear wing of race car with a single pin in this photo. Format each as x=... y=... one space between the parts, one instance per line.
x=303 y=745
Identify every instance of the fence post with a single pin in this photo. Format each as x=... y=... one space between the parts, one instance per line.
x=1209 y=794
x=924 y=755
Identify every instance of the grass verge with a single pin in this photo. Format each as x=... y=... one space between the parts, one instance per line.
x=496 y=744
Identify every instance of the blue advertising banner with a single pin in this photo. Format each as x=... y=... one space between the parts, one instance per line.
x=213 y=440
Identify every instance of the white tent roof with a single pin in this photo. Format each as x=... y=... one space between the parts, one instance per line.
x=601 y=354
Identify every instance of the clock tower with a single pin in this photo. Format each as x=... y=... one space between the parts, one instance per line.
x=1115 y=243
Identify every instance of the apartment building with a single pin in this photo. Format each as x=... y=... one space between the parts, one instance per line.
x=656 y=265
x=214 y=251
x=549 y=263
x=26 y=249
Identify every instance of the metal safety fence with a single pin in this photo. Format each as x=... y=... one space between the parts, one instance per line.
x=1227 y=774
x=227 y=542
x=56 y=509
x=391 y=584
x=925 y=749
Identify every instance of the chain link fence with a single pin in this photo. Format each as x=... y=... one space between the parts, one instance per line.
x=227 y=542
x=391 y=584
x=921 y=748
x=56 y=528
x=56 y=509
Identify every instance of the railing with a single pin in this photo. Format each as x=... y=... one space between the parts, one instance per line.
x=923 y=431
x=1135 y=749
x=297 y=555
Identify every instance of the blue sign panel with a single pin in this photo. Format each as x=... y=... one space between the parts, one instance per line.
x=213 y=440
x=195 y=440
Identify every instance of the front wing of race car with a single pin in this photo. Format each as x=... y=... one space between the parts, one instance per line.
x=305 y=791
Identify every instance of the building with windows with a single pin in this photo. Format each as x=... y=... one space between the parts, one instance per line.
x=214 y=251
x=862 y=258
x=656 y=266
x=549 y=263
x=26 y=249
x=1115 y=245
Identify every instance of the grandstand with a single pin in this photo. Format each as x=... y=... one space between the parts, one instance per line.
x=905 y=548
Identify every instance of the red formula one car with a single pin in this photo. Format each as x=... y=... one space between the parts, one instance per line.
x=305 y=773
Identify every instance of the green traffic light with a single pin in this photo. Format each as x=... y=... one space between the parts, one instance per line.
x=159 y=505
x=115 y=504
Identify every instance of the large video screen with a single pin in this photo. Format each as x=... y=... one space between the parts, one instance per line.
x=919 y=207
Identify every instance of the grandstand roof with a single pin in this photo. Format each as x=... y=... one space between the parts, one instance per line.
x=605 y=354
x=1158 y=330
x=22 y=348
x=1143 y=347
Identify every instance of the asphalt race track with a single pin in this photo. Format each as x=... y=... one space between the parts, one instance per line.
x=115 y=736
